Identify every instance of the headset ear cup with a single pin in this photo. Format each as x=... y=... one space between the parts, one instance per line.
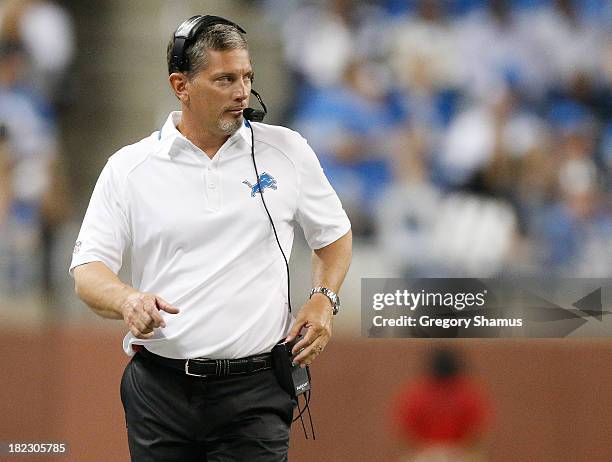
x=187 y=33
x=178 y=55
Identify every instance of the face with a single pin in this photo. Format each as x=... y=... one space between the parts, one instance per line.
x=218 y=94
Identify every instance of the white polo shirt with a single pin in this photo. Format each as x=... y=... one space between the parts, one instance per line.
x=199 y=236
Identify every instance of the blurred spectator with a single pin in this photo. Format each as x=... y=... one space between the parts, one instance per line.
x=322 y=37
x=422 y=48
x=574 y=230
x=443 y=416
x=573 y=48
x=486 y=141
x=407 y=211
x=493 y=48
x=29 y=153
x=575 y=234
x=565 y=41
x=423 y=232
x=46 y=31
x=319 y=61
x=348 y=126
x=425 y=79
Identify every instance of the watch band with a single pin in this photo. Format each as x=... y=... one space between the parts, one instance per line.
x=330 y=294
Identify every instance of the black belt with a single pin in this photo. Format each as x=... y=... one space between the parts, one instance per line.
x=202 y=367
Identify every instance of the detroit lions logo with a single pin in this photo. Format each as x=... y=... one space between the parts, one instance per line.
x=265 y=180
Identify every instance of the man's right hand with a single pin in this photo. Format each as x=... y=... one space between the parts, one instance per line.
x=110 y=298
x=141 y=313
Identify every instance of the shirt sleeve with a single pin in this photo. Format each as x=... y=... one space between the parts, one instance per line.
x=104 y=233
x=319 y=211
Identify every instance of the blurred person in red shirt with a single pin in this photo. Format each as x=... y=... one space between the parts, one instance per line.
x=443 y=416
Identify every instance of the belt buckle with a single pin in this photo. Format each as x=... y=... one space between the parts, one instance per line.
x=191 y=373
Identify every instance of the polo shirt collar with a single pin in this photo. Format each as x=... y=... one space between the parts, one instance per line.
x=177 y=142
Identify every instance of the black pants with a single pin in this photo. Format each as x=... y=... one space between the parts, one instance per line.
x=174 y=417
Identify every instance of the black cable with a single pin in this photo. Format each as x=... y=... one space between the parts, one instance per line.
x=261 y=193
x=314 y=437
x=306 y=402
x=301 y=413
x=300 y=417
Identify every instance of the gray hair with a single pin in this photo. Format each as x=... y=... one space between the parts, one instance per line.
x=219 y=37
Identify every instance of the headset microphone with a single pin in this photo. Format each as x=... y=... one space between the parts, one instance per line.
x=254 y=115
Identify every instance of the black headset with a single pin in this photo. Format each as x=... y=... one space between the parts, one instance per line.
x=186 y=34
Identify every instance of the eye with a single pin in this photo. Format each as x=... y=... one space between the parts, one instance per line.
x=225 y=79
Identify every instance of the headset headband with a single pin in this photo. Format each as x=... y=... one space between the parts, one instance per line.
x=186 y=33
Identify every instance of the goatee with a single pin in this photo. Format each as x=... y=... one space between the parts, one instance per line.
x=230 y=127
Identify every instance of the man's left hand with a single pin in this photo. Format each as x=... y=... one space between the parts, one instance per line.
x=316 y=317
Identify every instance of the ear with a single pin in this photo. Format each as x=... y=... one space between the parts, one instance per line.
x=178 y=82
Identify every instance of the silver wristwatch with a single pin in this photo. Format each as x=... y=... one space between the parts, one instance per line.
x=333 y=297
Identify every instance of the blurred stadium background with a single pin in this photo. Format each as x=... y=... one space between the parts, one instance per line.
x=466 y=138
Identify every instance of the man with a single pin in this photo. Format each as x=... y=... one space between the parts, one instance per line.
x=208 y=278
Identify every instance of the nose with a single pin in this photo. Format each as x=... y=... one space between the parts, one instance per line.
x=242 y=91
